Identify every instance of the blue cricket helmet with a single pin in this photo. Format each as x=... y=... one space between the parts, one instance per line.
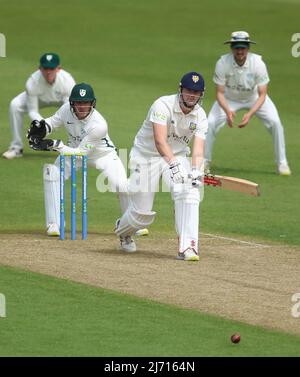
x=193 y=81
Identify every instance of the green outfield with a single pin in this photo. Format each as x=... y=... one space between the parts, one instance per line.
x=52 y=317
x=132 y=52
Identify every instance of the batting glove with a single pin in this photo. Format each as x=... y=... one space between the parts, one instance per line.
x=197 y=177
x=178 y=172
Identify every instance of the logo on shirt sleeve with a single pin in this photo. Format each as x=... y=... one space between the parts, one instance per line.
x=159 y=116
x=262 y=79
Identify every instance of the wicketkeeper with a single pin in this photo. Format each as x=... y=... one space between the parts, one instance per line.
x=161 y=150
x=87 y=133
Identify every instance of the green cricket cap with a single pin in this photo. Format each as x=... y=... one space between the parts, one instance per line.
x=49 y=60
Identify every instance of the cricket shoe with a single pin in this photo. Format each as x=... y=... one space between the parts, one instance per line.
x=53 y=230
x=127 y=244
x=283 y=169
x=13 y=153
x=189 y=254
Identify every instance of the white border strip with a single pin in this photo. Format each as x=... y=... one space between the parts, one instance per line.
x=2 y=46
x=235 y=240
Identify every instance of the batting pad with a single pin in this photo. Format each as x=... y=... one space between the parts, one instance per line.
x=134 y=219
x=51 y=193
x=187 y=218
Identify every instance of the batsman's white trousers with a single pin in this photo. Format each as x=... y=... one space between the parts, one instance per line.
x=267 y=113
x=144 y=184
x=110 y=167
x=17 y=109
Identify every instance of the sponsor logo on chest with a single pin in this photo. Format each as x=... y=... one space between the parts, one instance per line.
x=192 y=126
x=76 y=135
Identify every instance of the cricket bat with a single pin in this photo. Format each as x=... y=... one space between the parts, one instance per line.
x=231 y=183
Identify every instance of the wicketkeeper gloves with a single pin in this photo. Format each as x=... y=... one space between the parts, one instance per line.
x=45 y=144
x=38 y=129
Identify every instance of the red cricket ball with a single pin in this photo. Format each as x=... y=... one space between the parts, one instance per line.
x=235 y=338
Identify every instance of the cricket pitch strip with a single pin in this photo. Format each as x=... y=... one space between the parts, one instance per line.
x=240 y=280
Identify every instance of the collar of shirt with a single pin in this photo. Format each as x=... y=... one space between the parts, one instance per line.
x=245 y=65
x=177 y=108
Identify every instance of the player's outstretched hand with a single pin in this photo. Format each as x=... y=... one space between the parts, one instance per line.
x=230 y=118
x=245 y=120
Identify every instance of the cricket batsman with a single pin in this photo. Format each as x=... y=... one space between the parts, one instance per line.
x=161 y=149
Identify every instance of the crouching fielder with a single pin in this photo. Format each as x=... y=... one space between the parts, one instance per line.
x=88 y=133
x=161 y=150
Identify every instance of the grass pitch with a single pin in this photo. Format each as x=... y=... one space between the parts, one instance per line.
x=53 y=317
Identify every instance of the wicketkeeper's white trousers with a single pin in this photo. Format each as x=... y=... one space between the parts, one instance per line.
x=267 y=113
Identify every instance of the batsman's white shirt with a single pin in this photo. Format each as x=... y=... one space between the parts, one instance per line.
x=39 y=91
x=241 y=82
x=181 y=127
x=88 y=136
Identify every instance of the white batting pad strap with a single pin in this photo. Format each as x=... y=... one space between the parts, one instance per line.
x=51 y=193
x=134 y=219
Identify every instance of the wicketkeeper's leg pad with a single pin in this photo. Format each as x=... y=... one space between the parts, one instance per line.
x=51 y=193
x=133 y=220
